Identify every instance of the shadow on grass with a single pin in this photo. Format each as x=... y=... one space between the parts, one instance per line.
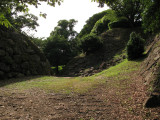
x=142 y=58
x=16 y=80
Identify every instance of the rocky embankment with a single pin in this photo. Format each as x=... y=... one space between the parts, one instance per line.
x=151 y=73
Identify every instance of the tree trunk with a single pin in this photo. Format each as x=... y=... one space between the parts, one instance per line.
x=57 y=71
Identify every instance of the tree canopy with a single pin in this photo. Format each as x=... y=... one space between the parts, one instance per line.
x=131 y=9
x=151 y=16
x=60 y=45
x=10 y=8
x=145 y=11
x=65 y=29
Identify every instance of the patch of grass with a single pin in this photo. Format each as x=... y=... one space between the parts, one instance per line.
x=123 y=68
x=119 y=76
x=77 y=84
x=57 y=84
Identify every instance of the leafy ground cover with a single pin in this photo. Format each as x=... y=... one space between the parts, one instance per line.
x=116 y=93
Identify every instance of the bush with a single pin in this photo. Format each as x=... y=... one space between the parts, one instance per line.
x=123 y=23
x=90 y=43
x=91 y=22
x=102 y=24
x=135 y=46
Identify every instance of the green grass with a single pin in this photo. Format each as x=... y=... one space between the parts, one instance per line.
x=123 y=68
x=77 y=84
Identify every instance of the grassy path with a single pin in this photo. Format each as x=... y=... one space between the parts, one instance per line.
x=114 y=94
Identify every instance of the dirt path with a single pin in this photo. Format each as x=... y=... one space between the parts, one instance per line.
x=121 y=101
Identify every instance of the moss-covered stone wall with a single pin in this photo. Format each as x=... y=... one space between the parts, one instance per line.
x=19 y=57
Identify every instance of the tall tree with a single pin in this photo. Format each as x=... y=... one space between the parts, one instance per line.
x=65 y=29
x=57 y=51
x=60 y=46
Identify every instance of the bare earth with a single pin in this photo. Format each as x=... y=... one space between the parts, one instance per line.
x=107 y=102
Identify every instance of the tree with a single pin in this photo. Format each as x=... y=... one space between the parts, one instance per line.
x=61 y=46
x=57 y=51
x=12 y=7
x=39 y=42
x=151 y=16
x=65 y=29
x=131 y=9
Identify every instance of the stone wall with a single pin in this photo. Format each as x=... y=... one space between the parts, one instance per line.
x=151 y=73
x=19 y=57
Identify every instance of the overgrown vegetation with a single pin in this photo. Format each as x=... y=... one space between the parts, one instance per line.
x=65 y=43
x=135 y=46
x=122 y=23
x=9 y=10
x=87 y=28
x=102 y=24
x=136 y=12
x=60 y=46
x=91 y=43
x=151 y=16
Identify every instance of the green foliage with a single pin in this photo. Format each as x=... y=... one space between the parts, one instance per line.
x=135 y=46
x=27 y=20
x=102 y=2
x=151 y=16
x=61 y=46
x=4 y=21
x=9 y=9
x=60 y=68
x=57 y=50
x=11 y=18
x=91 y=43
x=65 y=29
x=39 y=42
x=102 y=24
x=123 y=23
x=99 y=27
x=131 y=9
x=91 y=22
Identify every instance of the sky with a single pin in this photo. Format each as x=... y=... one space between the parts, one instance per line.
x=79 y=10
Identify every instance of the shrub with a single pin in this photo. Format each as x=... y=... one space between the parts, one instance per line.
x=91 y=22
x=90 y=43
x=102 y=24
x=135 y=46
x=123 y=23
